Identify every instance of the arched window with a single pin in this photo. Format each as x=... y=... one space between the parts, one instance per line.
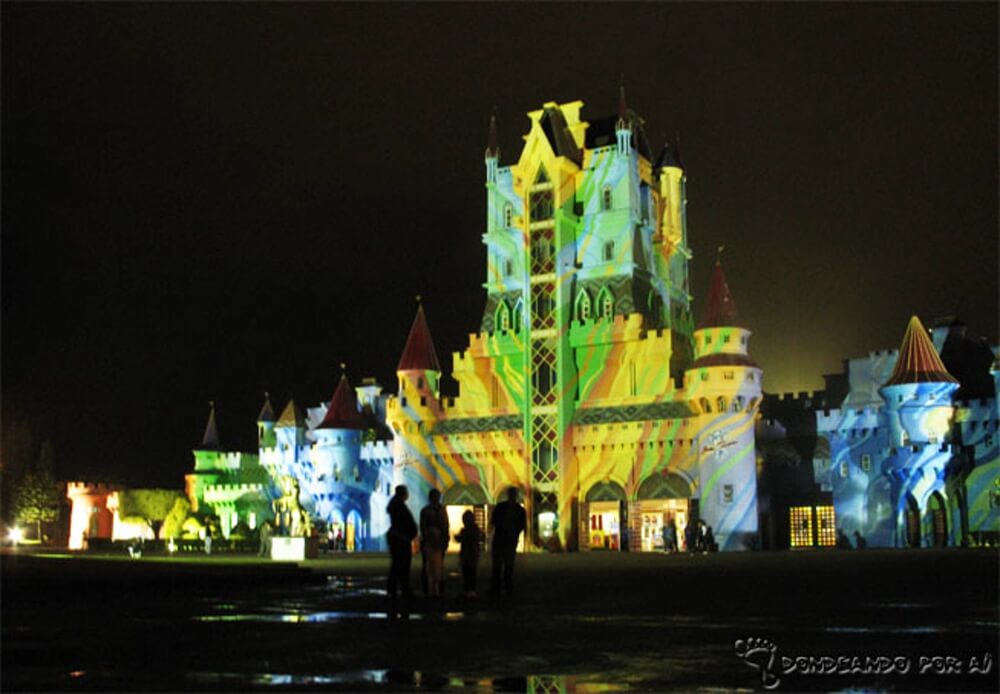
x=738 y=403
x=508 y=215
x=607 y=198
x=583 y=305
x=720 y=404
x=705 y=407
x=606 y=303
x=502 y=320
x=518 y=316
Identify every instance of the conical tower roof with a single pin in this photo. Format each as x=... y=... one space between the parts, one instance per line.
x=668 y=157
x=720 y=311
x=492 y=148
x=291 y=416
x=419 y=354
x=210 y=440
x=266 y=411
x=343 y=411
x=918 y=361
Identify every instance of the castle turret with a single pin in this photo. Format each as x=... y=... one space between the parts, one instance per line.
x=265 y=424
x=918 y=393
x=492 y=151
x=207 y=466
x=290 y=429
x=415 y=409
x=723 y=387
x=623 y=126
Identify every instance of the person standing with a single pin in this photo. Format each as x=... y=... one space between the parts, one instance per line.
x=506 y=524
x=402 y=530
x=434 y=532
x=469 y=538
x=669 y=535
x=265 y=540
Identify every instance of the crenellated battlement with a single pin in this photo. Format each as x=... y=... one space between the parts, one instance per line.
x=376 y=450
x=90 y=488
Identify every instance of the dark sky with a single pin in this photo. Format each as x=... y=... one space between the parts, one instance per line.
x=210 y=201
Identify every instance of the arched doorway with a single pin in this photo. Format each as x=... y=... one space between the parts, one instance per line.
x=912 y=520
x=355 y=532
x=664 y=501
x=938 y=520
x=604 y=518
x=460 y=498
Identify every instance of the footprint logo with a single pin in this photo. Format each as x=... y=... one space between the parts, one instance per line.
x=762 y=655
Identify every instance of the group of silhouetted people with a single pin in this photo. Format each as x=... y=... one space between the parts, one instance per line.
x=506 y=525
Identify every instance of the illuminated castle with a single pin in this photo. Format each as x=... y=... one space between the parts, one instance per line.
x=587 y=386
x=914 y=456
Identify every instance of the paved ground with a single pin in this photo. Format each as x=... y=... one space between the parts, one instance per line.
x=580 y=622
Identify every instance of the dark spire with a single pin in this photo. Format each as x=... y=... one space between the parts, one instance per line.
x=677 y=151
x=492 y=148
x=622 y=107
x=720 y=311
x=343 y=411
x=210 y=441
x=419 y=352
x=668 y=156
x=266 y=411
x=918 y=361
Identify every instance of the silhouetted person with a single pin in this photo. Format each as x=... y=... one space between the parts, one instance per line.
x=691 y=537
x=434 y=532
x=469 y=538
x=670 y=535
x=859 y=540
x=710 y=544
x=507 y=524
x=699 y=540
x=843 y=542
x=265 y=540
x=402 y=530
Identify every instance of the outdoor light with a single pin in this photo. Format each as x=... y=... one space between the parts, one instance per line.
x=16 y=535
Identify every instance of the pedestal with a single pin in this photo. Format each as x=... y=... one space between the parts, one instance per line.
x=294 y=548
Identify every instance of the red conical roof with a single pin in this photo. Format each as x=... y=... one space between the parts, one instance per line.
x=343 y=411
x=720 y=311
x=918 y=361
x=419 y=354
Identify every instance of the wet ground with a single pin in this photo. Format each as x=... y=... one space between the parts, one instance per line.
x=581 y=622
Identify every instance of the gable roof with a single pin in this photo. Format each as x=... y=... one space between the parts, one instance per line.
x=419 y=354
x=918 y=361
x=343 y=411
x=553 y=124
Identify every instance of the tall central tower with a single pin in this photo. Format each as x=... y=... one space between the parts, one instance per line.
x=584 y=232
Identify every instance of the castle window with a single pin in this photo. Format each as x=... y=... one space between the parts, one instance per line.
x=725 y=339
x=502 y=320
x=357 y=474
x=750 y=376
x=728 y=375
x=866 y=463
x=843 y=470
x=705 y=407
x=738 y=403
x=720 y=403
x=420 y=382
x=508 y=215
x=607 y=198
x=541 y=205
x=518 y=314
x=508 y=267
x=727 y=493
x=583 y=305
x=608 y=252
x=708 y=339
x=423 y=401
x=704 y=375
x=606 y=303
x=402 y=401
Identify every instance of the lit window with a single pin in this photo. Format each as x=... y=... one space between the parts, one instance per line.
x=827 y=527
x=800 y=526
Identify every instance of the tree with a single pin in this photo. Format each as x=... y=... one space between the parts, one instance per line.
x=173 y=524
x=36 y=497
x=149 y=505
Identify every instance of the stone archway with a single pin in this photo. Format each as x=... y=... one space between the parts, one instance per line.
x=937 y=519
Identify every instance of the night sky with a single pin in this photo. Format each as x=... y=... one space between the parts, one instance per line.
x=204 y=202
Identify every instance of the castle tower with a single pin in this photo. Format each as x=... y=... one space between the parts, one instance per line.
x=919 y=413
x=340 y=484
x=265 y=424
x=673 y=254
x=623 y=126
x=723 y=388
x=207 y=468
x=415 y=409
